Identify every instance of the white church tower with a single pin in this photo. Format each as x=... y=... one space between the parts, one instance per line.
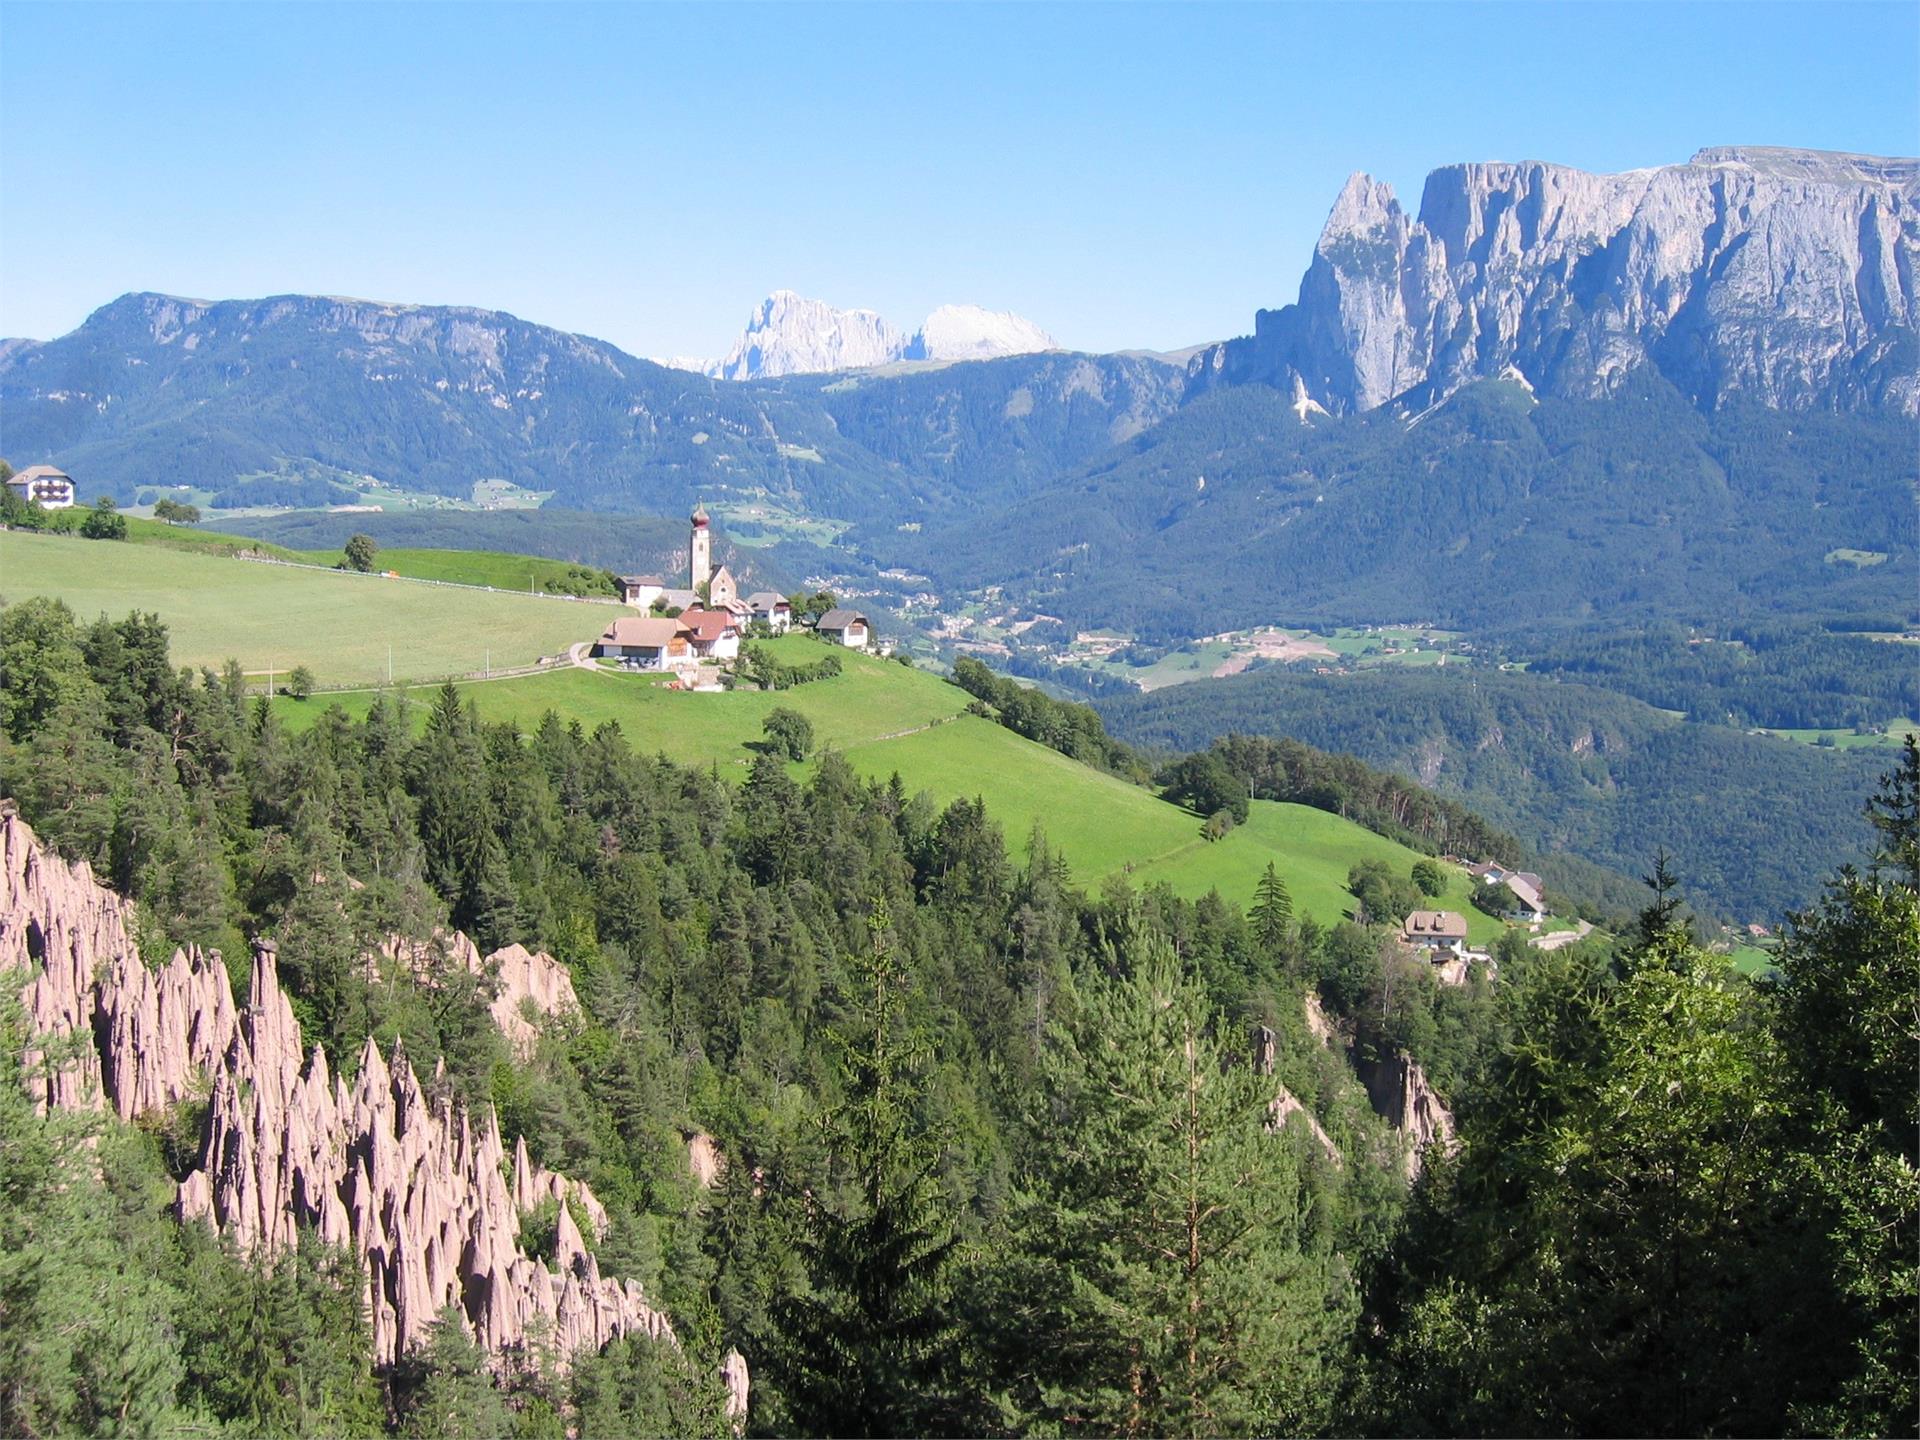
x=699 y=551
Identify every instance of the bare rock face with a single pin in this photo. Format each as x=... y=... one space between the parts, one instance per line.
x=1399 y=1092
x=1790 y=277
x=412 y=1185
x=733 y=1374
x=163 y=1031
x=1285 y=1109
x=1318 y=1025
x=704 y=1159
x=59 y=923
x=528 y=978
x=519 y=976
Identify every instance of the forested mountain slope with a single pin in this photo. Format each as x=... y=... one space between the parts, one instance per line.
x=153 y=388
x=944 y=1096
x=1494 y=508
x=1565 y=767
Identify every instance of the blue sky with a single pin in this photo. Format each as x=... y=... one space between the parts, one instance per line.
x=1125 y=175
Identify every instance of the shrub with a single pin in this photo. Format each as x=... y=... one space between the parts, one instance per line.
x=106 y=522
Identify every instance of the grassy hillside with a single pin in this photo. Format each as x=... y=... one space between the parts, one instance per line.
x=142 y=531
x=339 y=625
x=886 y=718
x=494 y=568
x=869 y=699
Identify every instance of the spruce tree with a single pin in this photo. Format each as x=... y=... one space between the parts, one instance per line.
x=1272 y=914
x=873 y=1348
x=1158 y=1272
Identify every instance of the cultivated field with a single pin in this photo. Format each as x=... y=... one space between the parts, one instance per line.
x=276 y=617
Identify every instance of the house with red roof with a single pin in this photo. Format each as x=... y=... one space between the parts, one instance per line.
x=645 y=642
x=714 y=634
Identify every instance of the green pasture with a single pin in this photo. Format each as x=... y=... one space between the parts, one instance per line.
x=1752 y=961
x=885 y=717
x=1894 y=735
x=191 y=538
x=275 y=617
x=870 y=698
x=493 y=568
x=1313 y=851
x=1105 y=826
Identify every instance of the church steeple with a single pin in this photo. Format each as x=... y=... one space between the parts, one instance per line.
x=699 y=551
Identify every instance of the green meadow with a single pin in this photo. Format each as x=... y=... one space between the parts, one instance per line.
x=869 y=699
x=273 y=617
x=885 y=717
x=888 y=719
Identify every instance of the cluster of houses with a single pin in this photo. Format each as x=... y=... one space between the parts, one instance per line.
x=1441 y=935
x=1529 y=895
x=705 y=621
x=44 y=486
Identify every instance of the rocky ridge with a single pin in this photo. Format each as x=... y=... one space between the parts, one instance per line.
x=1791 y=277
x=411 y=1184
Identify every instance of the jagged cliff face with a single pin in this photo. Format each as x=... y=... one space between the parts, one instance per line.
x=1401 y=1094
x=415 y=1187
x=1784 y=276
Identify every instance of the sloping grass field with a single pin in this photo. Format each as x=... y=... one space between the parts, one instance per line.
x=869 y=699
x=884 y=717
x=337 y=624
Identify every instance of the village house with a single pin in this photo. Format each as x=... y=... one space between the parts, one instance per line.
x=1529 y=905
x=770 y=610
x=641 y=591
x=715 y=634
x=1435 y=933
x=648 y=643
x=44 y=486
x=706 y=620
x=845 y=627
x=1529 y=894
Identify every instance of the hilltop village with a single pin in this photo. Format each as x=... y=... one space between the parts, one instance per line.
x=682 y=629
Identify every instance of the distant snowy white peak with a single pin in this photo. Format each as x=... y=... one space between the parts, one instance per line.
x=792 y=335
x=966 y=332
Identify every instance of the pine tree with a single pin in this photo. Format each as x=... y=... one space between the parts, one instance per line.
x=86 y=1343
x=456 y=1398
x=872 y=1350
x=1158 y=1267
x=1272 y=913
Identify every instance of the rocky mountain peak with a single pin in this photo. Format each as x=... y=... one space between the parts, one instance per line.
x=790 y=334
x=1363 y=206
x=1787 y=276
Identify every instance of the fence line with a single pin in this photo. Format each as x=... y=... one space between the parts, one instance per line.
x=415 y=682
